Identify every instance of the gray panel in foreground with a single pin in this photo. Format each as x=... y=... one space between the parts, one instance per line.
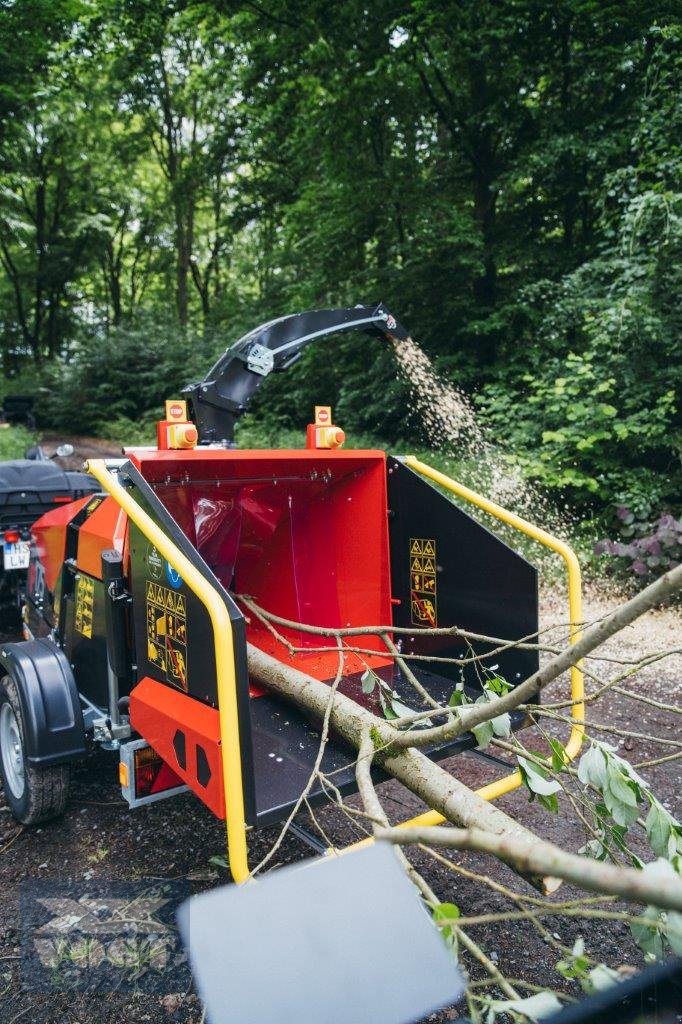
x=337 y=940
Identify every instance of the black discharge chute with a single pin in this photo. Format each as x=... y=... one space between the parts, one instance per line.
x=223 y=396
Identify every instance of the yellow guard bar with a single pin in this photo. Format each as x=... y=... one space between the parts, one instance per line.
x=224 y=663
x=513 y=781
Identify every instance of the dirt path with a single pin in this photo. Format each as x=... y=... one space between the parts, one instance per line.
x=83 y=448
x=100 y=841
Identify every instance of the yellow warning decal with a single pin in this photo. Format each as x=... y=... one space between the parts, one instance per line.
x=85 y=594
x=94 y=503
x=167 y=633
x=423 y=605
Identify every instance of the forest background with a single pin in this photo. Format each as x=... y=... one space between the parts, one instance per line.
x=505 y=176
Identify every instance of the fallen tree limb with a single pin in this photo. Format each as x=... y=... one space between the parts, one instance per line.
x=481 y=824
x=485 y=828
x=546 y=858
x=655 y=594
x=427 y=780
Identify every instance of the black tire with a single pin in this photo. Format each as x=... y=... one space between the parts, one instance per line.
x=33 y=794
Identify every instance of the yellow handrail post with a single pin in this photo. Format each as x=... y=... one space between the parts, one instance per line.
x=224 y=660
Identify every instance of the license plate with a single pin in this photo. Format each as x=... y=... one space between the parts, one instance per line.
x=17 y=555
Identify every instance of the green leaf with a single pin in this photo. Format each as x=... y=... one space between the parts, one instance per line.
x=401 y=709
x=542 y=1004
x=446 y=911
x=501 y=725
x=369 y=680
x=576 y=963
x=498 y=685
x=622 y=813
x=673 y=931
x=558 y=754
x=550 y=803
x=647 y=938
x=594 y=848
x=622 y=789
x=663 y=830
x=457 y=698
x=537 y=779
x=592 y=767
x=483 y=733
x=600 y=978
x=658 y=828
x=219 y=861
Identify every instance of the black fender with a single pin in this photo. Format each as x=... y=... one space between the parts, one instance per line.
x=54 y=732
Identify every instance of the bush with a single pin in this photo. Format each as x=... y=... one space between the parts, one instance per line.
x=14 y=441
x=127 y=432
x=127 y=374
x=648 y=547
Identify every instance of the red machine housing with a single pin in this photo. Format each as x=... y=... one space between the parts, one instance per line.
x=317 y=536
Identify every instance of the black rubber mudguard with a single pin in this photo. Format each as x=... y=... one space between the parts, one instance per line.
x=53 y=720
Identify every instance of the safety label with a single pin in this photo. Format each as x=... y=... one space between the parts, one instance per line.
x=423 y=606
x=85 y=595
x=167 y=633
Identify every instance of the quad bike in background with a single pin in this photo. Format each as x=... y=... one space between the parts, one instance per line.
x=30 y=487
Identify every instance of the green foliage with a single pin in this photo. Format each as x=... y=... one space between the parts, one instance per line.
x=622 y=791
x=508 y=178
x=592 y=979
x=536 y=1007
x=655 y=931
x=14 y=441
x=540 y=784
x=389 y=701
x=126 y=375
x=492 y=689
x=443 y=914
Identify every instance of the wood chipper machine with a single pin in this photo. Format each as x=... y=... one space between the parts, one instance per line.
x=136 y=634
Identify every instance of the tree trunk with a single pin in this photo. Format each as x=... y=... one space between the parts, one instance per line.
x=182 y=265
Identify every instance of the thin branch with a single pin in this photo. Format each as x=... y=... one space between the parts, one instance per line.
x=547 y=859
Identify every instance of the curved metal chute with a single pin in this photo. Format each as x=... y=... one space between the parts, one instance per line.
x=218 y=401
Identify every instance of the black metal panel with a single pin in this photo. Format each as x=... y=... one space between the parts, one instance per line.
x=286 y=744
x=218 y=401
x=196 y=644
x=84 y=635
x=472 y=579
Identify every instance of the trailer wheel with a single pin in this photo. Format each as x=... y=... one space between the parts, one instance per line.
x=33 y=794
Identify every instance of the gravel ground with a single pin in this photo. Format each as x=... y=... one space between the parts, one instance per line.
x=99 y=841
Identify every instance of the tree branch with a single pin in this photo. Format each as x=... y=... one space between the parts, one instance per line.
x=546 y=858
x=656 y=593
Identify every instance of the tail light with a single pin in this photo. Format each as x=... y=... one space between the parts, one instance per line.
x=144 y=776
x=12 y=536
x=62 y=499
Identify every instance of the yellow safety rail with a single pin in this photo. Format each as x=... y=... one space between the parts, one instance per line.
x=513 y=781
x=224 y=662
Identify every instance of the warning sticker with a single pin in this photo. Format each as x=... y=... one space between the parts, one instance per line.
x=423 y=606
x=167 y=633
x=85 y=594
